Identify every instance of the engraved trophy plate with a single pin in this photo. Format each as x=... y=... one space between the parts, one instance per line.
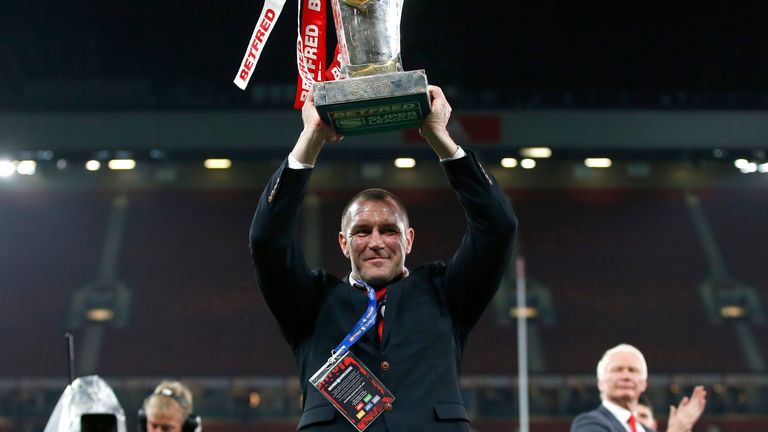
x=373 y=93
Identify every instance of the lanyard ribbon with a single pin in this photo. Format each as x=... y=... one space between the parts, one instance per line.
x=364 y=324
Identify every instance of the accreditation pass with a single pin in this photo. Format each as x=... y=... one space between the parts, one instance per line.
x=353 y=390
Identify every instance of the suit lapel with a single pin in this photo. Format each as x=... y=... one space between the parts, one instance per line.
x=614 y=422
x=394 y=294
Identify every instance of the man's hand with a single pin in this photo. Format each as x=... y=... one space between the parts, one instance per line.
x=315 y=134
x=313 y=122
x=687 y=413
x=434 y=127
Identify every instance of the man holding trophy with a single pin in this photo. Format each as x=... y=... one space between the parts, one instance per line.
x=378 y=348
x=403 y=375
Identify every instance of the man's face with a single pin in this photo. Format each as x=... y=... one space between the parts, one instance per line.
x=164 y=421
x=376 y=240
x=645 y=416
x=623 y=381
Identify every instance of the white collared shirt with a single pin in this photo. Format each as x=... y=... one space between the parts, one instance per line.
x=353 y=283
x=622 y=415
x=460 y=153
x=293 y=163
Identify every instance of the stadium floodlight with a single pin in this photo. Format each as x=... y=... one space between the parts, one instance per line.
x=536 y=152
x=100 y=314
x=528 y=312
x=121 y=164
x=92 y=165
x=509 y=162
x=405 y=162
x=217 y=163
x=740 y=163
x=26 y=167
x=733 y=311
x=749 y=168
x=7 y=168
x=598 y=162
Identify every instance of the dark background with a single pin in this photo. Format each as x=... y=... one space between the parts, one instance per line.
x=514 y=49
x=616 y=252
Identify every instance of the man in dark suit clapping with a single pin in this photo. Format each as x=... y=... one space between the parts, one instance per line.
x=622 y=376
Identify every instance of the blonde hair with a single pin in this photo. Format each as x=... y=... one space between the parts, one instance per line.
x=602 y=365
x=167 y=395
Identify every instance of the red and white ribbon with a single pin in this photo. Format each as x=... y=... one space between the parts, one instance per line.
x=334 y=70
x=310 y=46
x=269 y=14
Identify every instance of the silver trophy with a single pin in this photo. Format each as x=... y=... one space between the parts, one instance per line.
x=373 y=92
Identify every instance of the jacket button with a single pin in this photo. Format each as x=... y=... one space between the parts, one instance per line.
x=384 y=365
x=388 y=407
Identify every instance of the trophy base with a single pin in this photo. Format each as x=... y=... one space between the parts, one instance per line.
x=376 y=103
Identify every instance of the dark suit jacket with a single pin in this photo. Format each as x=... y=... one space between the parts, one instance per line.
x=598 y=420
x=429 y=313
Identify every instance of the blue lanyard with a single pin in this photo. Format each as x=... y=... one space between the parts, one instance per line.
x=363 y=324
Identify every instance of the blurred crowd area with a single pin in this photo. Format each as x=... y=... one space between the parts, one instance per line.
x=158 y=283
x=274 y=403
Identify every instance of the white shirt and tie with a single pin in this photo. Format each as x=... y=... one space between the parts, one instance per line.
x=624 y=416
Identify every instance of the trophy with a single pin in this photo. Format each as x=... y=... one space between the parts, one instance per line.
x=373 y=93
